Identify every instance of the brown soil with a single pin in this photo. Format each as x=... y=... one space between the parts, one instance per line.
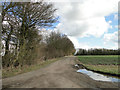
x=60 y=74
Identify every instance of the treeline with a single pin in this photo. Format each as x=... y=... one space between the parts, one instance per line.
x=24 y=43
x=98 y=52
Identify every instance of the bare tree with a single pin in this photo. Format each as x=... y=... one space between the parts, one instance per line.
x=58 y=45
x=21 y=19
x=34 y=14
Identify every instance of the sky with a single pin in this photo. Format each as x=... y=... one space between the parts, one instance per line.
x=89 y=23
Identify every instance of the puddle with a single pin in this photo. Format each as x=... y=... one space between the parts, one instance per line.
x=98 y=77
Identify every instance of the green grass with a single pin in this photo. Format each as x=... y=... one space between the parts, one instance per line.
x=9 y=72
x=113 y=69
x=100 y=59
x=103 y=63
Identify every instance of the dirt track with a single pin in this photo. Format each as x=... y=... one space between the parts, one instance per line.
x=60 y=74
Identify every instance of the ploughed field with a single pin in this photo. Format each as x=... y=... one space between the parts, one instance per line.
x=102 y=63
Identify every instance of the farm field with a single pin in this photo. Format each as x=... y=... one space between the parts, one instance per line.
x=103 y=63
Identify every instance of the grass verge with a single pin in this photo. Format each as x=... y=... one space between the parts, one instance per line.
x=102 y=63
x=112 y=69
x=9 y=72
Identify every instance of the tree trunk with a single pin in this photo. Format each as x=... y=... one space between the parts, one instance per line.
x=7 y=41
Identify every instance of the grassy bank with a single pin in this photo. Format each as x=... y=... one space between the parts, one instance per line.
x=9 y=72
x=105 y=63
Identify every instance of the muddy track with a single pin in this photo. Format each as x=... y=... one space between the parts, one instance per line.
x=60 y=74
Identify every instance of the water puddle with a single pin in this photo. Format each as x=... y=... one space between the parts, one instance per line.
x=99 y=77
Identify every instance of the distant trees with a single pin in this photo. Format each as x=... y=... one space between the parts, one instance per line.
x=23 y=41
x=98 y=52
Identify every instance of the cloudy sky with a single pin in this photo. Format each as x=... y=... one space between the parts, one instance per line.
x=89 y=23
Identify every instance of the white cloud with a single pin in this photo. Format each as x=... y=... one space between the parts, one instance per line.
x=112 y=38
x=85 y=18
x=44 y=33
x=81 y=28
x=116 y=16
x=75 y=41
x=83 y=45
x=87 y=46
x=110 y=26
x=109 y=21
x=77 y=44
x=117 y=26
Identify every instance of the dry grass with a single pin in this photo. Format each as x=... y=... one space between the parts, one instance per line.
x=9 y=72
